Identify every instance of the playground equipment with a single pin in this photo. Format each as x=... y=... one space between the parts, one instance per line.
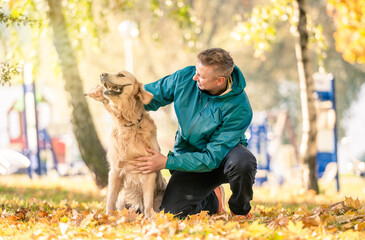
x=275 y=160
x=30 y=115
x=30 y=140
x=258 y=145
x=28 y=120
x=18 y=141
x=324 y=86
x=258 y=141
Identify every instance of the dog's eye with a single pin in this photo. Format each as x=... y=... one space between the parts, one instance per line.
x=121 y=75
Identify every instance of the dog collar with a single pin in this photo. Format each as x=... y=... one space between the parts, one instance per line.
x=132 y=123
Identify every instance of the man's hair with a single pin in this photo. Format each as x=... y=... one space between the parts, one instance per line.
x=220 y=59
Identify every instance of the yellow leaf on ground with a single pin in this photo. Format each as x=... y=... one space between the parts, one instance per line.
x=257 y=229
x=64 y=219
x=87 y=220
x=361 y=226
x=230 y=226
x=295 y=227
x=349 y=202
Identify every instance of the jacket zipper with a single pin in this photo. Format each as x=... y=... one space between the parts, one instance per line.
x=196 y=120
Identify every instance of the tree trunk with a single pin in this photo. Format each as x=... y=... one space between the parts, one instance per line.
x=308 y=148
x=91 y=149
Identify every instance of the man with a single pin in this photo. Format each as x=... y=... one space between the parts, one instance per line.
x=213 y=113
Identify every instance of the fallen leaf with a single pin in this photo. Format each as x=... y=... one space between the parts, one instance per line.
x=349 y=202
x=86 y=221
x=63 y=227
x=42 y=214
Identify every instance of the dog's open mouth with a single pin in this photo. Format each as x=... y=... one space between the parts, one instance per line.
x=113 y=89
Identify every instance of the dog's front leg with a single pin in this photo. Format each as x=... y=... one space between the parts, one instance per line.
x=148 y=195
x=121 y=201
x=159 y=191
x=97 y=94
x=114 y=187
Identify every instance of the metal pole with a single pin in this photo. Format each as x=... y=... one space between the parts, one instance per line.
x=335 y=131
x=26 y=150
x=31 y=119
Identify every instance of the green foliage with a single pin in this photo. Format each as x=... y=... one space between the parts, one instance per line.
x=260 y=28
x=15 y=17
x=8 y=72
x=181 y=13
x=88 y=20
x=81 y=22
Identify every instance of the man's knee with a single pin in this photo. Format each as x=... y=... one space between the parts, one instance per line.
x=240 y=162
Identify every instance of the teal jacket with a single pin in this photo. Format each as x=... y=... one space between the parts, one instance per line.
x=209 y=126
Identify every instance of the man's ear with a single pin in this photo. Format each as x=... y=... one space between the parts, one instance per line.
x=145 y=96
x=221 y=81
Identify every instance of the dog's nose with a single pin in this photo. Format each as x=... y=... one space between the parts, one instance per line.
x=103 y=75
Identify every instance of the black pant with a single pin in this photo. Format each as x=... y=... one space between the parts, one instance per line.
x=190 y=193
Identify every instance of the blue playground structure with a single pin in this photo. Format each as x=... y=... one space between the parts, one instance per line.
x=258 y=145
x=324 y=86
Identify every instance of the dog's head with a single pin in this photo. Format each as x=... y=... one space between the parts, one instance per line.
x=123 y=85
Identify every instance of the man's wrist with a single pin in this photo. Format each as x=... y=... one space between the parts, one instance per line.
x=165 y=162
x=170 y=162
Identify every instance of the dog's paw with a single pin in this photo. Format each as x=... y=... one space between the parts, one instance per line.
x=109 y=211
x=149 y=213
x=96 y=93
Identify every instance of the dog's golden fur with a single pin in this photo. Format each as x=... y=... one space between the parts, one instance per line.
x=133 y=131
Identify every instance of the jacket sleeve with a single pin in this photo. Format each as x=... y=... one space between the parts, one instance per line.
x=226 y=137
x=163 y=92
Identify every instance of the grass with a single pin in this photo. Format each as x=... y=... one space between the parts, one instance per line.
x=56 y=189
x=83 y=189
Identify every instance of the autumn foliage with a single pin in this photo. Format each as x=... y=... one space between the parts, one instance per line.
x=349 y=17
x=41 y=217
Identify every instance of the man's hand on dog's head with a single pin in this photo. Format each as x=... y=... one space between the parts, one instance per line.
x=150 y=164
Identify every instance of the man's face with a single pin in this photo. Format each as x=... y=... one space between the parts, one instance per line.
x=206 y=79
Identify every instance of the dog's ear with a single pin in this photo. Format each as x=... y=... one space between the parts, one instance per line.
x=145 y=96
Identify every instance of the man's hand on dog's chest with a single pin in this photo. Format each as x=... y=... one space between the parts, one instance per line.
x=150 y=164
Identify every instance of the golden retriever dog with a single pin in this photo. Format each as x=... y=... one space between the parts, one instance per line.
x=133 y=131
